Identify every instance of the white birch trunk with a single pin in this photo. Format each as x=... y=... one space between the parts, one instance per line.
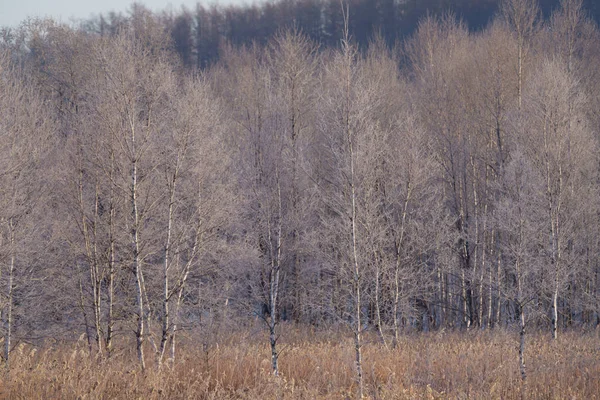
x=357 y=272
x=476 y=244
x=490 y=304
x=274 y=283
x=377 y=306
x=135 y=243
x=166 y=328
x=111 y=275
x=174 y=328
x=8 y=322
x=165 y=301
x=96 y=278
x=399 y=244
x=91 y=253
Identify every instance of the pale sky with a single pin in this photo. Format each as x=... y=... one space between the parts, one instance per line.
x=12 y=12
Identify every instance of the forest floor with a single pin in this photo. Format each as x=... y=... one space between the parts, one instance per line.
x=442 y=365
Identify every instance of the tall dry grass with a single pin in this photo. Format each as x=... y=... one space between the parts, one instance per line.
x=472 y=365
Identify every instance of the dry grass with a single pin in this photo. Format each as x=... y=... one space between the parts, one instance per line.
x=320 y=366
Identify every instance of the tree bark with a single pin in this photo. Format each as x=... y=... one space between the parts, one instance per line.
x=274 y=283
x=8 y=322
x=135 y=243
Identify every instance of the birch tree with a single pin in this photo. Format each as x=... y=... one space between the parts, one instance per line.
x=521 y=218
x=292 y=64
x=522 y=16
x=130 y=106
x=558 y=136
x=267 y=137
x=84 y=191
x=346 y=127
x=25 y=130
x=197 y=199
x=497 y=91
x=438 y=54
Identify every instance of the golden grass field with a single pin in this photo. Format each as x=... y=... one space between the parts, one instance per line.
x=462 y=365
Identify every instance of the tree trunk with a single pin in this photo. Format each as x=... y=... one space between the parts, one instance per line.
x=399 y=244
x=490 y=281
x=111 y=280
x=8 y=322
x=137 y=265
x=274 y=283
x=84 y=313
x=476 y=247
x=377 y=306
x=522 y=344
x=498 y=292
x=111 y=259
x=357 y=277
x=555 y=311
x=166 y=266
x=91 y=253
x=174 y=327
x=165 y=301
x=96 y=278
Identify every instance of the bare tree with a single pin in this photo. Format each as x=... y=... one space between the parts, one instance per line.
x=347 y=126
x=129 y=107
x=25 y=129
x=292 y=64
x=558 y=135
x=520 y=217
x=198 y=197
x=441 y=73
x=522 y=16
x=496 y=92
x=262 y=142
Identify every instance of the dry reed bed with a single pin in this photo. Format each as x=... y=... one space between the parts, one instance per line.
x=430 y=366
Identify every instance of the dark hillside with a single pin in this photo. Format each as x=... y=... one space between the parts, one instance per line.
x=199 y=33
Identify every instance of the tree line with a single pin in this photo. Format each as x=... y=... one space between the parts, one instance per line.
x=198 y=34
x=448 y=183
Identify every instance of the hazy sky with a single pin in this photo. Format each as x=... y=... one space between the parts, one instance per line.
x=14 y=11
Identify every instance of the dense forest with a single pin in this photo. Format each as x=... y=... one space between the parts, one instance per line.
x=198 y=35
x=170 y=178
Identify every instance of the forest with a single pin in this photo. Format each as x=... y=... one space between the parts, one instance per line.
x=197 y=35
x=362 y=215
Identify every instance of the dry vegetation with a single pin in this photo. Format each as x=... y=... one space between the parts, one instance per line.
x=319 y=366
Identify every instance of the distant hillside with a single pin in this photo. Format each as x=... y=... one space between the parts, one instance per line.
x=199 y=33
